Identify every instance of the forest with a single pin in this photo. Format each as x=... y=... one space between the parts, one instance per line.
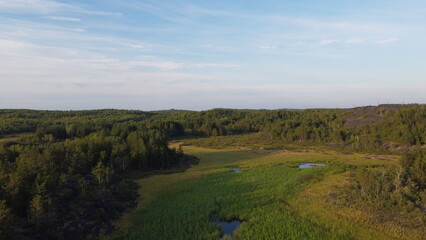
x=65 y=174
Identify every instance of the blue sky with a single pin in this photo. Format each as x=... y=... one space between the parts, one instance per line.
x=199 y=55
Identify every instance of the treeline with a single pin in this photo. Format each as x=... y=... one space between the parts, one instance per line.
x=22 y=121
x=371 y=132
x=403 y=126
x=67 y=181
x=370 y=128
x=216 y=122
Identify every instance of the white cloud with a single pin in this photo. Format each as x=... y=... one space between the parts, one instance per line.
x=45 y=60
x=289 y=30
x=327 y=41
x=45 y=7
x=355 y=40
x=37 y=69
x=214 y=65
x=159 y=65
x=141 y=45
x=73 y=37
x=167 y=65
x=267 y=47
x=89 y=12
x=79 y=29
x=57 y=77
x=387 y=40
x=67 y=19
x=38 y=6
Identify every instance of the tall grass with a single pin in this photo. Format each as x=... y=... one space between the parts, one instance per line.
x=186 y=205
x=256 y=195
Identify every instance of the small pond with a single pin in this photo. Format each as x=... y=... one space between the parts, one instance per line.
x=309 y=165
x=235 y=169
x=228 y=227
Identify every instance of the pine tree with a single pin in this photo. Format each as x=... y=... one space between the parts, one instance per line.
x=5 y=220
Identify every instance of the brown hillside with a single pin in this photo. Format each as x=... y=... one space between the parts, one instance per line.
x=361 y=116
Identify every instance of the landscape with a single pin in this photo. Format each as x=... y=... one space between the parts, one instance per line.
x=212 y=120
x=356 y=173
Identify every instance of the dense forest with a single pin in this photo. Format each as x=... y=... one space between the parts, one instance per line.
x=62 y=173
x=65 y=176
x=367 y=129
x=364 y=128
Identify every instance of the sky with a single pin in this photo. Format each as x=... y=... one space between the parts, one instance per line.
x=198 y=55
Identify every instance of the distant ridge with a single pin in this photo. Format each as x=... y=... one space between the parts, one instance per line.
x=361 y=116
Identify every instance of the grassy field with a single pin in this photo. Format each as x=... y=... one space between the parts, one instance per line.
x=274 y=198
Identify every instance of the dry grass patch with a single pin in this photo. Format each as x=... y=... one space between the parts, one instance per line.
x=323 y=200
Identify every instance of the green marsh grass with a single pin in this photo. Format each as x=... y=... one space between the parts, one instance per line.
x=258 y=195
x=266 y=195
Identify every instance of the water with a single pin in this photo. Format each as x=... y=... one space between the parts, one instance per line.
x=235 y=169
x=309 y=165
x=228 y=227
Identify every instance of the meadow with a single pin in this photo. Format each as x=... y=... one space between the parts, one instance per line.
x=272 y=197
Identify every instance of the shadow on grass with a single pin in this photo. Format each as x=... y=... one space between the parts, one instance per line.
x=186 y=162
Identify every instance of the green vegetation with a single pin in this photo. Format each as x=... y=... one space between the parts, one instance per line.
x=67 y=184
x=70 y=174
x=367 y=129
x=257 y=195
x=398 y=190
x=21 y=121
x=266 y=195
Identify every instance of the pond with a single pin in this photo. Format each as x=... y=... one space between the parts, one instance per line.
x=228 y=227
x=235 y=169
x=309 y=165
